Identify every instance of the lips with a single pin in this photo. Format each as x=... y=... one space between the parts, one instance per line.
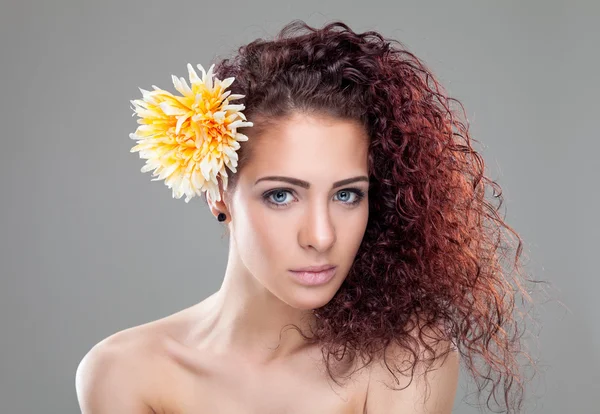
x=314 y=278
x=315 y=269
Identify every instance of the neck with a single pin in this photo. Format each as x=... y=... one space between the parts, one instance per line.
x=246 y=319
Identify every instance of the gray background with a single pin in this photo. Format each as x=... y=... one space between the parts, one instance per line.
x=90 y=246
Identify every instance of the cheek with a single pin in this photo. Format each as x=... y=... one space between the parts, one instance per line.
x=352 y=231
x=263 y=239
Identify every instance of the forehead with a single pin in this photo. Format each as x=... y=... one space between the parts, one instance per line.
x=310 y=146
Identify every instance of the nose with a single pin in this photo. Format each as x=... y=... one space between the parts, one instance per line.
x=317 y=229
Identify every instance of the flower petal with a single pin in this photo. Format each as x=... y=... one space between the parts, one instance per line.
x=192 y=74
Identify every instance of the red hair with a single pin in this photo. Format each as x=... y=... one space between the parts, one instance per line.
x=434 y=244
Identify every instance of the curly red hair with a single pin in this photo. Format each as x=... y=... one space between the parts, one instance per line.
x=429 y=269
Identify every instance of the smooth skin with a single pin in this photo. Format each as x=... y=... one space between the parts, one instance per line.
x=221 y=355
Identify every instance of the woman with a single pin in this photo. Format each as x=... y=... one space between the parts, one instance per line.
x=364 y=258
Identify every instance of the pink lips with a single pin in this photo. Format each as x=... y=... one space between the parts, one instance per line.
x=313 y=268
x=322 y=275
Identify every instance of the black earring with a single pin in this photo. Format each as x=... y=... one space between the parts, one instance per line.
x=221 y=217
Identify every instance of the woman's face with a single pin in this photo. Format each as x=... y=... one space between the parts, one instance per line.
x=277 y=225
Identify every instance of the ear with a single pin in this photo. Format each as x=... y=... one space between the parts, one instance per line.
x=220 y=206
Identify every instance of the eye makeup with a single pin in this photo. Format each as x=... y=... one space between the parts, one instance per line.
x=267 y=196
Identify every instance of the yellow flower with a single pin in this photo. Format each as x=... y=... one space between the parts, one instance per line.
x=188 y=140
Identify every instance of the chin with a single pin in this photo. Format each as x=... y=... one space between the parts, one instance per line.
x=311 y=299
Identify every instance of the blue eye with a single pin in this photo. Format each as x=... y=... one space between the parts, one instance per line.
x=277 y=197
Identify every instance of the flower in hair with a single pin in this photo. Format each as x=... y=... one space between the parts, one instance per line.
x=188 y=140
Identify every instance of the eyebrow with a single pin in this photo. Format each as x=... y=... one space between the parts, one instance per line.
x=306 y=184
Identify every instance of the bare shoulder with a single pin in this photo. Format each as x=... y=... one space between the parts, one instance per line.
x=109 y=378
x=429 y=389
x=124 y=372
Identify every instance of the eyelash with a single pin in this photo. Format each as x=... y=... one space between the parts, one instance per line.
x=360 y=194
